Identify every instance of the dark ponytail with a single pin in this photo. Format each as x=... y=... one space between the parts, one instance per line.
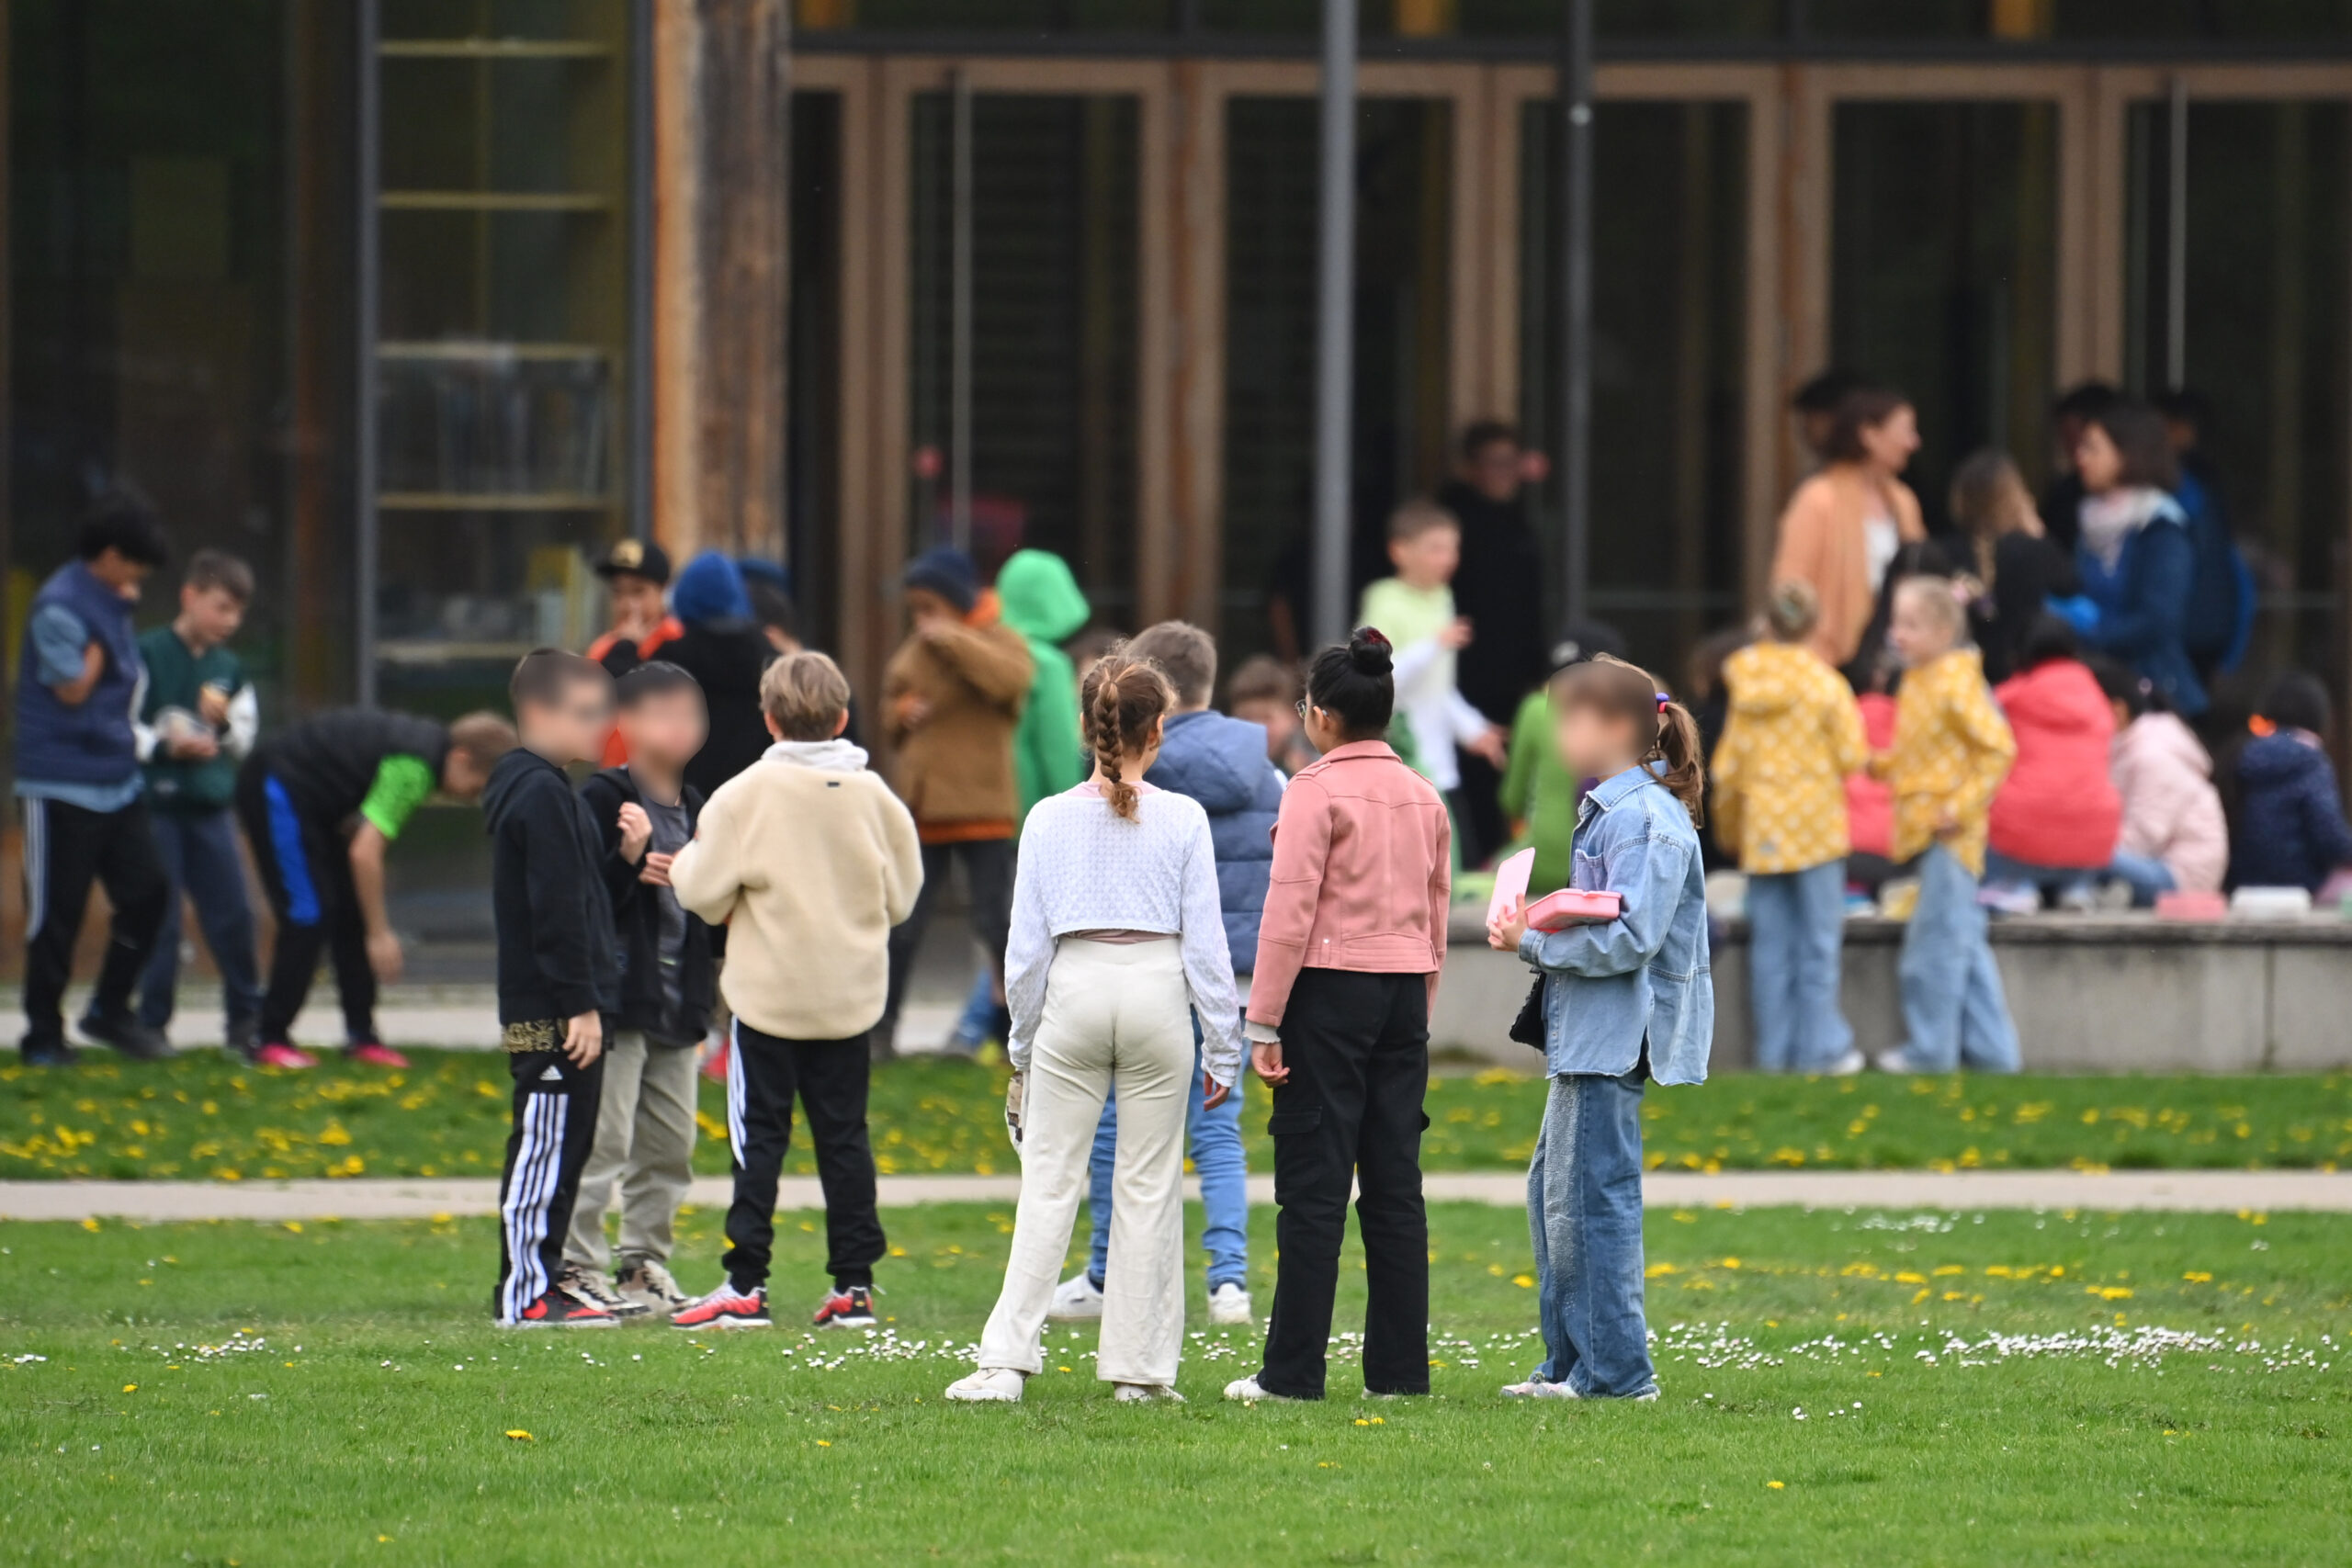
x=1123 y=698
x=1356 y=683
x=1628 y=692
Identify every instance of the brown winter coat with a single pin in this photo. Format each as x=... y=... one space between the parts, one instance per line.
x=953 y=761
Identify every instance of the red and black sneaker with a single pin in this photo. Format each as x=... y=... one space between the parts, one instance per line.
x=724 y=1307
x=561 y=1309
x=852 y=1307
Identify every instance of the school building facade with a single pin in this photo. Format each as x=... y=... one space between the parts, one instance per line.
x=419 y=303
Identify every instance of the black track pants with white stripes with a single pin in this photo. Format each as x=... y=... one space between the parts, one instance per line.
x=764 y=1074
x=555 y=1126
x=66 y=848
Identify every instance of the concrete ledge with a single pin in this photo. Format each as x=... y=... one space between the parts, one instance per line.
x=2104 y=993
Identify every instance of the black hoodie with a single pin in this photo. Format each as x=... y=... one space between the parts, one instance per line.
x=637 y=910
x=557 y=950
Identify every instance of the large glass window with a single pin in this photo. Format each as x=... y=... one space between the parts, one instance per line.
x=2267 y=229
x=1054 y=331
x=1669 y=315
x=1402 y=283
x=1943 y=271
x=158 y=213
x=501 y=420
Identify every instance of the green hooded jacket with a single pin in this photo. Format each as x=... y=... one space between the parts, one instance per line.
x=1042 y=601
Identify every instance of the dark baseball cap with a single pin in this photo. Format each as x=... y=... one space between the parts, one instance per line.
x=636 y=557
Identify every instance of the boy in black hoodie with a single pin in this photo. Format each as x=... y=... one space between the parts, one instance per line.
x=645 y=813
x=559 y=976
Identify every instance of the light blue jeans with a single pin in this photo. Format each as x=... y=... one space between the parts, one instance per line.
x=2004 y=871
x=1954 y=1011
x=1796 y=926
x=1584 y=1216
x=1225 y=1181
x=2145 y=875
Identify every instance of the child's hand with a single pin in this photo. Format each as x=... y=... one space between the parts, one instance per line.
x=583 y=1038
x=1504 y=931
x=194 y=747
x=912 y=711
x=1456 y=637
x=637 y=831
x=656 y=870
x=1947 y=825
x=1494 y=745
x=384 y=954
x=1213 y=1093
x=212 y=705
x=1266 y=1061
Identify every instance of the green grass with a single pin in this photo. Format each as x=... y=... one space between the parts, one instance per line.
x=253 y=1394
x=207 y=1117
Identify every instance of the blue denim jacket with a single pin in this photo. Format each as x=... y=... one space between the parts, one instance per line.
x=1646 y=974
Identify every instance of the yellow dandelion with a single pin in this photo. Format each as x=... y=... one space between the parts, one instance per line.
x=517 y=1434
x=131 y=1388
x=1524 y=1281
x=1777 y=1486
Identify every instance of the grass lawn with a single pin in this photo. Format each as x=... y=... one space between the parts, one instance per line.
x=206 y=1116
x=1838 y=1388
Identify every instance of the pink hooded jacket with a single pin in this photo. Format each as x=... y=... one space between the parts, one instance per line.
x=2171 y=811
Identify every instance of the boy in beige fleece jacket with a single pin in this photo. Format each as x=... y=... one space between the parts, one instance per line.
x=810 y=860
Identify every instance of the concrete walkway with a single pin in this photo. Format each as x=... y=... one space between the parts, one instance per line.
x=2222 y=1192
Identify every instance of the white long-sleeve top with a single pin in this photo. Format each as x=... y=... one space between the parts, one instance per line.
x=1085 y=868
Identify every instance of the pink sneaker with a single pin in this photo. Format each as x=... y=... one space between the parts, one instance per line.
x=374 y=1054
x=714 y=1066
x=277 y=1054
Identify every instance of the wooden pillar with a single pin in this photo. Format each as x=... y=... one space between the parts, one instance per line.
x=721 y=113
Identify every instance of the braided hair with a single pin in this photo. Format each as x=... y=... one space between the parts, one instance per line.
x=1124 y=696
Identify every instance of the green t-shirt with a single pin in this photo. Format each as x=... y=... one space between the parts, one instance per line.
x=400 y=785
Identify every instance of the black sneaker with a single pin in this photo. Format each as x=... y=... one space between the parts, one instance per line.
x=128 y=1035
x=49 y=1052
x=243 y=1037
x=850 y=1308
x=561 y=1309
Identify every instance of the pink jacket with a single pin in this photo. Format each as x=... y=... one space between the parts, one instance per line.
x=2171 y=811
x=1361 y=877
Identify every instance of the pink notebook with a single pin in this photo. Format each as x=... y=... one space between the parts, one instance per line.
x=1554 y=911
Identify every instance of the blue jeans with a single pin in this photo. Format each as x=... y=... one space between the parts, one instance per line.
x=198 y=851
x=1225 y=1181
x=1584 y=1214
x=1796 y=926
x=1955 y=1012
x=2004 y=870
x=984 y=1016
x=2145 y=875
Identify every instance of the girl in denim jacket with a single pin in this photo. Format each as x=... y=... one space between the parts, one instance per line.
x=1624 y=1002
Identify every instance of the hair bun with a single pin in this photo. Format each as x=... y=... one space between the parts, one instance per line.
x=1370 y=652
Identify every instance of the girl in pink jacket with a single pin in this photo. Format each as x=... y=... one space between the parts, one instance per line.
x=2176 y=838
x=1338 y=1021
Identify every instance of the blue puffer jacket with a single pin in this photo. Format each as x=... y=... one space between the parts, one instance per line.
x=2291 y=827
x=2144 y=605
x=1221 y=762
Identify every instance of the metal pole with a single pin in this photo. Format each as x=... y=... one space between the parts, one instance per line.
x=959 y=368
x=638 y=452
x=2176 y=238
x=1334 y=322
x=366 y=467
x=1576 y=302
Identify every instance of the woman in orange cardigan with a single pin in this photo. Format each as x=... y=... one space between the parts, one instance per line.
x=1845 y=526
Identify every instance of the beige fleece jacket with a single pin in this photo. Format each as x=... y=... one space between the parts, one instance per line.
x=808 y=859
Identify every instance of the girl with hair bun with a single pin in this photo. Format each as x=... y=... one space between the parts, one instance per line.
x=1347 y=959
x=1118 y=939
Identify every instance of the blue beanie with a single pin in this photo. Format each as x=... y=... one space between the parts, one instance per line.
x=710 y=589
x=948 y=572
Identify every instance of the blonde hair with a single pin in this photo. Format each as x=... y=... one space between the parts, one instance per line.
x=1419 y=516
x=1941 y=595
x=1793 y=610
x=805 y=695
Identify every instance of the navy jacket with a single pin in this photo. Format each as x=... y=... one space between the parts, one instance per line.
x=91 y=742
x=2291 y=826
x=2143 y=607
x=1221 y=763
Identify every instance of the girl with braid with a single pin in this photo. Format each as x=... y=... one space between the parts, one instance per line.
x=1117 y=941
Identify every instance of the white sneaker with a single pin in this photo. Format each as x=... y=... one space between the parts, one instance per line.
x=1846 y=1065
x=1535 y=1388
x=650 y=1283
x=1076 y=1297
x=1249 y=1391
x=589 y=1286
x=1145 y=1392
x=1228 y=1305
x=991 y=1385
x=1898 y=1060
